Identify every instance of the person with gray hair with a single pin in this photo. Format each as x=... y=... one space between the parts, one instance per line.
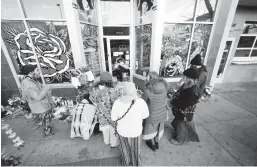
x=128 y=113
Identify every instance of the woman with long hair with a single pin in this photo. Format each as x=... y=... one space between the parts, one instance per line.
x=155 y=94
x=128 y=112
x=183 y=106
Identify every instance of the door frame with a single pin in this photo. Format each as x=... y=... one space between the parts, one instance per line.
x=108 y=38
x=219 y=80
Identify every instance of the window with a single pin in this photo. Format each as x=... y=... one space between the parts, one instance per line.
x=187 y=29
x=247 y=45
x=49 y=38
x=143 y=28
x=143 y=49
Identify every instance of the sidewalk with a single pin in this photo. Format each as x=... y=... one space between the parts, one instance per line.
x=226 y=125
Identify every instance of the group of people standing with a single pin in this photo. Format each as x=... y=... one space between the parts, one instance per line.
x=133 y=116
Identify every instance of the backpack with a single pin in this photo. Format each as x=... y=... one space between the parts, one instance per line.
x=84 y=120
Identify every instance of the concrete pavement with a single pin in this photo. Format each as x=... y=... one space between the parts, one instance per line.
x=226 y=124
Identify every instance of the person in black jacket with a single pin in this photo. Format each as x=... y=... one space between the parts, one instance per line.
x=183 y=105
x=196 y=63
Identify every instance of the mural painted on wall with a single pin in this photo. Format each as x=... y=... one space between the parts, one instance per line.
x=90 y=37
x=87 y=12
x=91 y=44
x=200 y=40
x=176 y=39
x=52 y=47
x=143 y=47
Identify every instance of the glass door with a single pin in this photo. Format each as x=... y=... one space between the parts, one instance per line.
x=118 y=56
x=224 y=60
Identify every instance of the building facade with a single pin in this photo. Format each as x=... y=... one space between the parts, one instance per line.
x=148 y=35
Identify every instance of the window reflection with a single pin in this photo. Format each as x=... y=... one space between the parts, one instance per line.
x=50 y=9
x=206 y=10
x=143 y=49
x=246 y=42
x=242 y=53
x=254 y=53
x=87 y=11
x=179 y=10
x=10 y=9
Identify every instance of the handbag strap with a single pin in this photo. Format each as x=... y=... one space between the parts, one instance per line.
x=115 y=128
x=132 y=103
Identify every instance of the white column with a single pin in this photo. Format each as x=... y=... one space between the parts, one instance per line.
x=157 y=32
x=132 y=52
x=74 y=29
x=229 y=22
x=100 y=32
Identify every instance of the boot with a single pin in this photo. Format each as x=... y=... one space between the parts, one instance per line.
x=156 y=142
x=150 y=144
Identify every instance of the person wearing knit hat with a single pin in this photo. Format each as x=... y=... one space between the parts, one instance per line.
x=38 y=97
x=183 y=105
x=128 y=112
x=196 y=63
x=105 y=77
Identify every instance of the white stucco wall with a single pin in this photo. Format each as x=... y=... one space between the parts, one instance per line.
x=240 y=73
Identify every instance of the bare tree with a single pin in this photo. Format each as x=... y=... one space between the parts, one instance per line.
x=209 y=8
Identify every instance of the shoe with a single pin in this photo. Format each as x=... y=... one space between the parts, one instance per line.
x=175 y=142
x=157 y=145
x=150 y=145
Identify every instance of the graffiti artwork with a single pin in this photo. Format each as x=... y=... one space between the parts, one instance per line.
x=143 y=45
x=176 y=39
x=90 y=37
x=200 y=40
x=51 y=44
x=91 y=44
x=145 y=9
x=86 y=10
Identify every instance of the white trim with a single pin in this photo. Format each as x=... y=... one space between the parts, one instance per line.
x=243 y=48
x=132 y=41
x=10 y=63
x=248 y=35
x=116 y=37
x=187 y=22
x=157 y=33
x=244 y=62
x=74 y=30
x=139 y=77
x=109 y=54
x=45 y=19
x=85 y=22
x=101 y=36
x=136 y=25
x=117 y=25
x=177 y=79
x=212 y=32
x=231 y=13
x=244 y=59
x=30 y=38
x=219 y=80
x=61 y=85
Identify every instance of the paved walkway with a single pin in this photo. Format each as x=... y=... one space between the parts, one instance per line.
x=226 y=125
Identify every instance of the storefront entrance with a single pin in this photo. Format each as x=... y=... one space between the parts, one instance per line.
x=117 y=55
